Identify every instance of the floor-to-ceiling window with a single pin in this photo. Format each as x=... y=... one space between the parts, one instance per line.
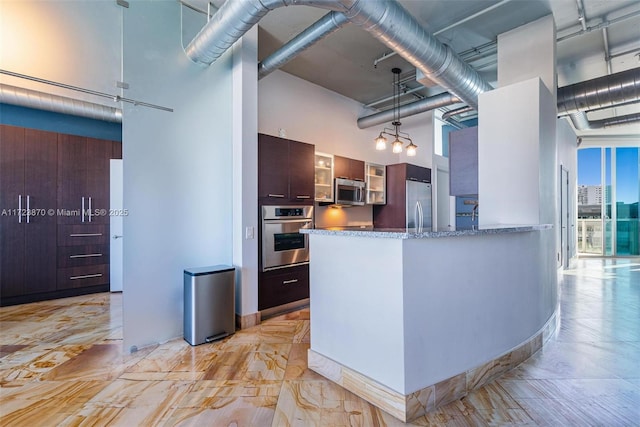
x=608 y=195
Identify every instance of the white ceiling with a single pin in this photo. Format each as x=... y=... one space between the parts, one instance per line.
x=344 y=61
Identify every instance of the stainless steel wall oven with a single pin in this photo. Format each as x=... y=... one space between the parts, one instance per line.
x=282 y=243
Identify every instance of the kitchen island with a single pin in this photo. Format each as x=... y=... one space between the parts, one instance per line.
x=413 y=320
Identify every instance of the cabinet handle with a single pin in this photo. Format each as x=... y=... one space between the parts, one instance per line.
x=28 y=197
x=303 y=197
x=84 y=256
x=288 y=282
x=82 y=208
x=116 y=236
x=86 y=276
x=19 y=208
x=276 y=195
x=85 y=234
x=426 y=181
x=412 y=179
x=89 y=209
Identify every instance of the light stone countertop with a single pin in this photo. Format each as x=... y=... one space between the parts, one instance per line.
x=411 y=233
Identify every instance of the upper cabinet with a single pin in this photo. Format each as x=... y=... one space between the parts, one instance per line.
x=463 y=162
x=285 y=170
x=348 y=168
x=324 y=177
x=376 y=183
x=416 y=173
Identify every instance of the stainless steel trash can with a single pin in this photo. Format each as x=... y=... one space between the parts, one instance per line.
x=209 y=303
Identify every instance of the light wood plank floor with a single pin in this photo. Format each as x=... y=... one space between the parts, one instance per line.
x=62 y=364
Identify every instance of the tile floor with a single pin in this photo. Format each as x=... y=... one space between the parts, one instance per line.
x=62 y=364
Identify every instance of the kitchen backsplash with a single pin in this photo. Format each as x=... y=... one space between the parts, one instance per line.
x=353 y=216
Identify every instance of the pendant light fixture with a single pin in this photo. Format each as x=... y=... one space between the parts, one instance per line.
x=396 y=145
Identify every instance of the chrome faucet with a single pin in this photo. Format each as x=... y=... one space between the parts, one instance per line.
x=474 y=211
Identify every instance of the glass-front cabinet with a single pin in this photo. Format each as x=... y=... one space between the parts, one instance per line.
x=376 y=184
x=324 y=177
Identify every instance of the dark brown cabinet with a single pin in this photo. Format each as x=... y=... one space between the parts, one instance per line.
x=83 y=185
x=278 y=287
x=285 y=170
x=49 y=247
x=27 y=200
x=345 y=167
x=393 y=214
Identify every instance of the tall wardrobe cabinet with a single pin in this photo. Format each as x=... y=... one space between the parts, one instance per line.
x=54 y=223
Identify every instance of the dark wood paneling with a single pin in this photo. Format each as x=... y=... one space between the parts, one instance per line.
x=273 y=168
x=41 y=150
x=344 y=167
x=78 y=234
x=74 y=277
x=72 y=173
x=283 y=286
x=301 y=171
x=97 y=184
x=357 y=169
x=77 y=256
x=116 y=150
x=341 y=167
x=12 y=243
x=392 y=215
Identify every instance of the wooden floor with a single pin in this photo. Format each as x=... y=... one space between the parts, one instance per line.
x=62 y=364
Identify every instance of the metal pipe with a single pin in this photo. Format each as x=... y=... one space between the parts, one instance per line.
x=581 y=15
x=389 y=98
x=446 y=116
x=320 y=29
x=581 y=122
x=59 y=104
x=607 y=54
x=606 y=91
x=386 y=20
x=603 y=24
x=406 y=110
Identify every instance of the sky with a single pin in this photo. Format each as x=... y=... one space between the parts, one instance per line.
x=627 y=177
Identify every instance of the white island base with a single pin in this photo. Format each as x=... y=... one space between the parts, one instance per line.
x=412 y=321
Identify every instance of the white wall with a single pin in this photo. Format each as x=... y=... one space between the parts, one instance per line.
x=72 y=42
x=245 y=171
x=177 y=170
x=315 y=115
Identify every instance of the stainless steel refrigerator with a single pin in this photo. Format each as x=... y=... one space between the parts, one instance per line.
x=418 y=211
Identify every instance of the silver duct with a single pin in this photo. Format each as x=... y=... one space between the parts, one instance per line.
x=601 y=92
x=386 y=20
x=320 y=29
x=59 y=104
x=581 y=122
x=427 y=104
x=446 y=116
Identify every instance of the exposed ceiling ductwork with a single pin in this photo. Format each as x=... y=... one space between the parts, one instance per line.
x=406 y=110
x=574 y=101
x=58 y=104
x=320 y=29
x=386 y=20
x=602 y=92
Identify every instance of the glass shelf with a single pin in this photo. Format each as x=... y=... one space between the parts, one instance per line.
x=323 y=177
x=376 y=184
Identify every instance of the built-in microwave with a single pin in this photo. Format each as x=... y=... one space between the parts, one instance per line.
x=350 y=192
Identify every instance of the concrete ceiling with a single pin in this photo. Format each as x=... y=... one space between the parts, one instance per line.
x=344 y=61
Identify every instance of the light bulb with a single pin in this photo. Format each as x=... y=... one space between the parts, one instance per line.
x=396 y=147
x=381 y=143
x=411 y=149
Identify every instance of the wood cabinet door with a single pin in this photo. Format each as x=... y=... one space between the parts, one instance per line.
x=356 y=168
x=273 y=168
x=301 y=171
x=12 y=194
x=418 y=173
x=342 y=167
x=72 y=176
x=41 y=150
x=97 y=181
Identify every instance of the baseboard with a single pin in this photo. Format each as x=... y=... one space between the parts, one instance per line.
x=248 y=320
